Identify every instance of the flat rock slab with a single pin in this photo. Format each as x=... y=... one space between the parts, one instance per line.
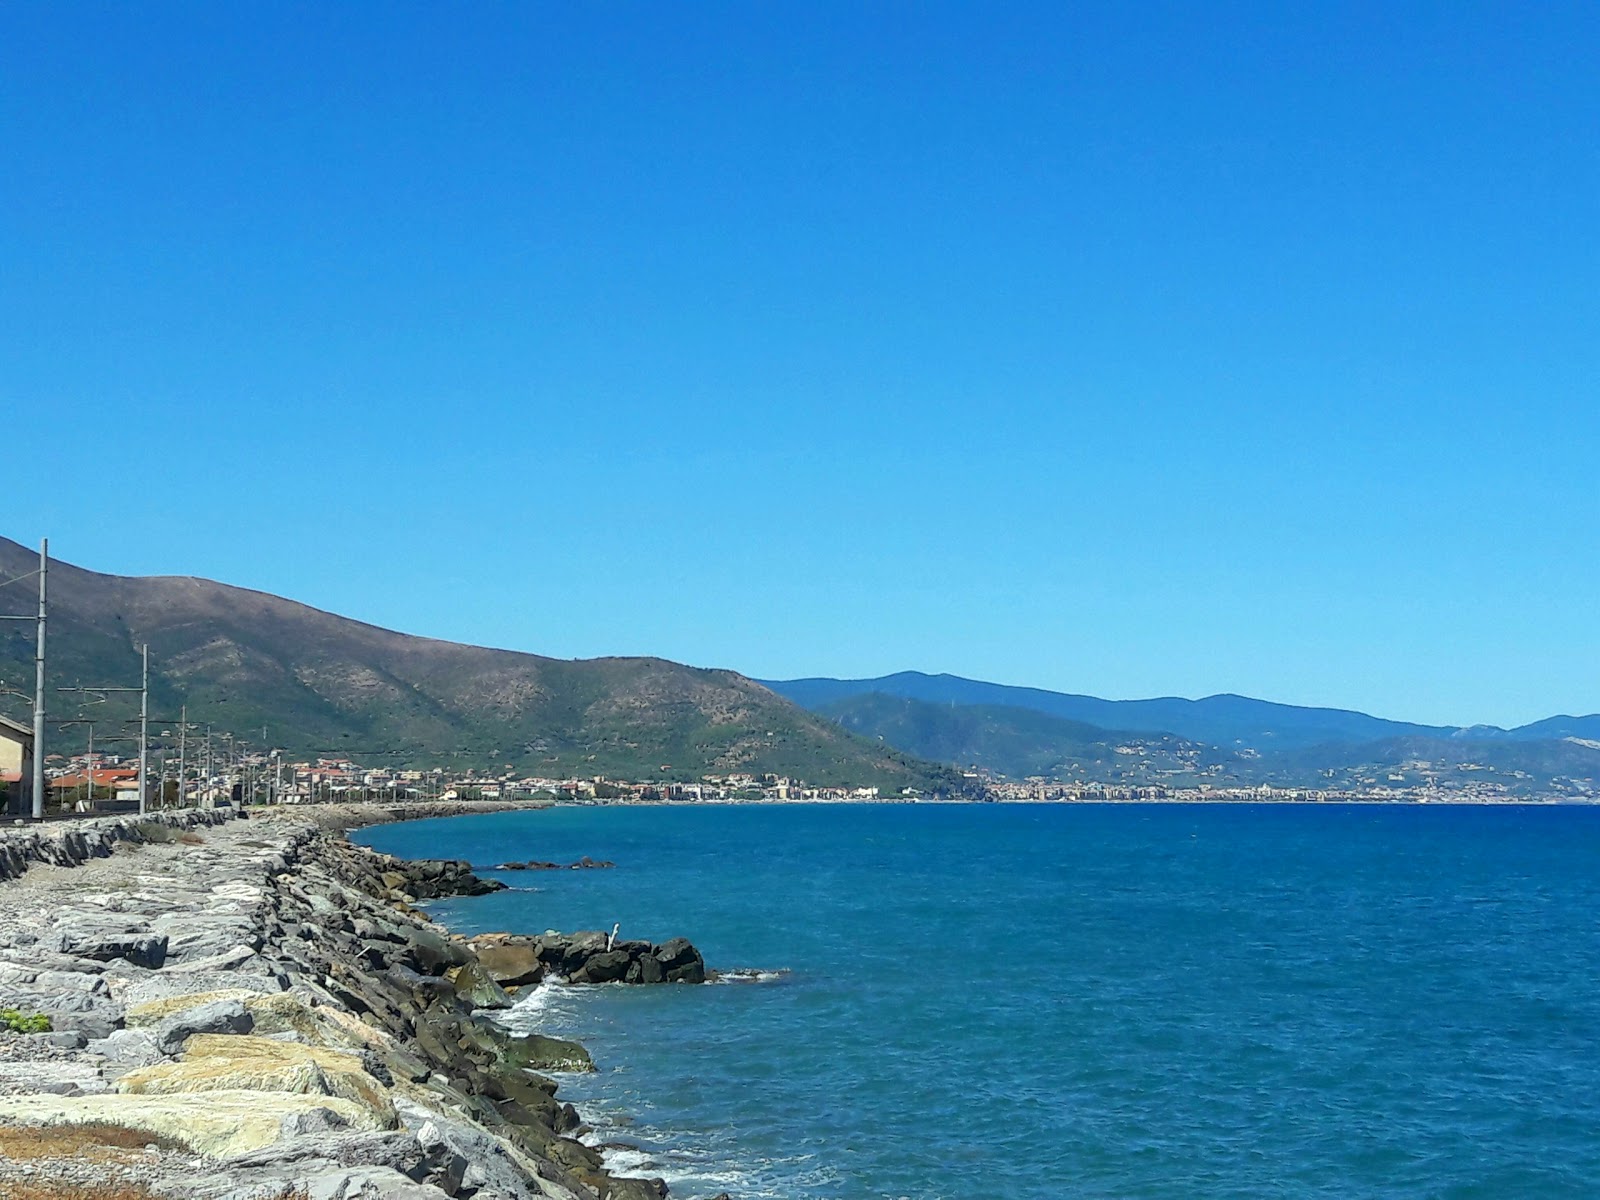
x=218 y=1124
x=236 y=1063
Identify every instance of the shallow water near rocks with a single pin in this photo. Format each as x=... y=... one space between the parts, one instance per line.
x=1024 y=1001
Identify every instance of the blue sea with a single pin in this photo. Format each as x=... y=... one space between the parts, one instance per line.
x=1130 y=1001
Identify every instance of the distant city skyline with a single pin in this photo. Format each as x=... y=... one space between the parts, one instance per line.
x=1129 y=353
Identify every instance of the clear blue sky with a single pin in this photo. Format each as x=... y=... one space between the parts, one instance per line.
x=1125 y=349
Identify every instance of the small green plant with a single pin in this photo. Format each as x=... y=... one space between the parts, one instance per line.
x=18 y=1021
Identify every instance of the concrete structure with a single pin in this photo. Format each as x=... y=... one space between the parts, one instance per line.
x=16 y=766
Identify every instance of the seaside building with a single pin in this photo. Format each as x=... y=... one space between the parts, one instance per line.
x=16 y=765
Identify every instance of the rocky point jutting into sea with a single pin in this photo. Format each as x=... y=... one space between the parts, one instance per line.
x=248 y=1009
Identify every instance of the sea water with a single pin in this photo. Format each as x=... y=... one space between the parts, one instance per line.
x=1131 y=1001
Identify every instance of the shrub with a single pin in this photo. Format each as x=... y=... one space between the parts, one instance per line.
x=18 y=1021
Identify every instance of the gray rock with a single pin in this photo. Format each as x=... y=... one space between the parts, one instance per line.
x=472 y=984
x=163 y=986
x=337 y=1183
x=488 y=1168
x=128 y=1048
x=219 y=1016
x=435 y=954
x=609 y=966
x=236 y=958
x=51 y=1078
x=95 y=1023
x=103 y=945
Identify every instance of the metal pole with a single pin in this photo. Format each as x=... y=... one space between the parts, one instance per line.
x=209 y=798
x=144 y=731
x=183 y=734
x=38 y=691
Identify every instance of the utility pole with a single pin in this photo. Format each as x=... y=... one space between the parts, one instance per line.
x=89 y=759
x=209 y=800
x=144 y=727
x=183 y=733
x=38 y=690
x=38 y=684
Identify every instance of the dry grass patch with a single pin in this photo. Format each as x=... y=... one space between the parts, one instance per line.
x=191 y=838
x=102 y=1142
x=61 y=1190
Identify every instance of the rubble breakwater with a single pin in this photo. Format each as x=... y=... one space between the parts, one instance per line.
x=254 y=1010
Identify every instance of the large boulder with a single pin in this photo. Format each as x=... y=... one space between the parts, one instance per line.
x=434 y=954
x=103 y=944
x=217 y=1016
x=681 y=961
x=609 y=966
x=541 y=1053
x=213 y=1063
x=510 y=963
x=490 y=1166
x=219 y=1124
x=147 y=1014
x=474 y=985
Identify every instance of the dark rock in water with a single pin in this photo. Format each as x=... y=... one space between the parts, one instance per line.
x=430 y=879
x=583 y=864
x=473 y=984
x=545 y=1053
x=622 y=1188
x=695 y=972
x=681 y=961
x=676 y=952
x=586 y=957
x=609 y=966
x=510 y=963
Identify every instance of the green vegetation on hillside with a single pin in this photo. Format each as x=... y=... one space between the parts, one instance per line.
x=1020 y=743
x=326 y=685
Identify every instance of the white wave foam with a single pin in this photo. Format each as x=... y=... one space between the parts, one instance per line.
x=750 y=975
x=533 y=1007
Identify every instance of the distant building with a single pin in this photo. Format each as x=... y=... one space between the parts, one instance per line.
x=16 y=765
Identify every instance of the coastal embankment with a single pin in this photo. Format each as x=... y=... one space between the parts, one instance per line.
x=204 y=1007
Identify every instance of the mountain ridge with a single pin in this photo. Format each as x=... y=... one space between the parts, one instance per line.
x=321 y=683
x=1221 y=718
x=1024 y=744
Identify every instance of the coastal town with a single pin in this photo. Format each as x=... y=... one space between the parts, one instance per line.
x=85 y=783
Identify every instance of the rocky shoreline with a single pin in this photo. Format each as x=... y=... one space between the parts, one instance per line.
x=255 y=1010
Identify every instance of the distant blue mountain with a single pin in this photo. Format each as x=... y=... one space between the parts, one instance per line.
x=1224 y=720
x=1587 y=728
